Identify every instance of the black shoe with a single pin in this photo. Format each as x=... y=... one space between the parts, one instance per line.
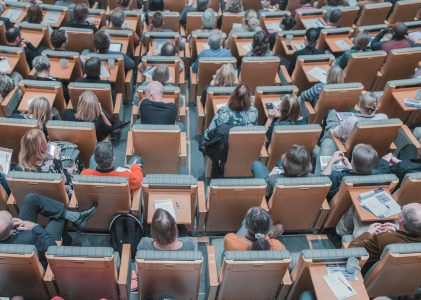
x=84 y=217
x=119 y=125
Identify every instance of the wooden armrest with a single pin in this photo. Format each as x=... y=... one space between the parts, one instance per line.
x=125 y=272
x=128 y=85
x=338 y=142
x=129 y=148
x=264 y=154
x=6 y=101
x=201 y=205
x=138 y=50
x=324 y=212
x=310 y=111
x=285 y=75
x=117 y=106
x=187 y=51
x=213 y=273
x=278 y=80
x=264 y=204
x=183 y=148
x=406 y=131
x=73 y=204
x=135 y=114
x=135 y=209
x=48 y=281
x=200 y=116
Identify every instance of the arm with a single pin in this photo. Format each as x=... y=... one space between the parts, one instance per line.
x=128 y=62
x=342 y=60
x=136 y=176
x=292 y=63
x=376 y=43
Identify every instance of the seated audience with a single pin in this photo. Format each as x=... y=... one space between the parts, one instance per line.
x=215 y=50
x=117 y=21
x=156 y=24
x=202 y=5
x=231 y=6
x=260 y=45
x=225 y=76
x=333 y=18
x=294 y=163
x=14 y=39
x=102 y=43
x=401 y=167
x=250 y=24
x=26 y=230
x=152 y=110
x=208 y=22
x=289 y=114
x=154 y=5
x=124 y=4
x=34 y=16
x=80 y=18
x=59 y=40
x=335 y=74
x=360 y=45
x=39 y=110
x=237 y=112
x=104 y=160
x=164 y=234
x=256 y=233
x=399 y=39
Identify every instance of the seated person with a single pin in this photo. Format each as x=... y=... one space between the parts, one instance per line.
x=260 y=46
x=378 y=236
x=225 y=76
x=335 y=75
x=237 y=112
x=289 y=114
x=231 y=6
x=399 y=39
x=250 y=24
x=102 y=43
x=157 y=25
x=6 y=85
x=92 y=70
x=287 y=23
x=364 y=162
x=124 y=4
x=34 y=16
x=333 y=18
x=295 y=163
x=25 y=230
x=169 y=49
x=215 y=50
x=256 y=233
x=117 y=21
x=304 y=5
x=80 y=18
x=208 y=22
x=202 y=5
x=164 y=234
x=151 y=108
x=104 y=160
x=161 y=74
x=14 y=39
x=360 y=45
x=59 y=40
x=401 y=167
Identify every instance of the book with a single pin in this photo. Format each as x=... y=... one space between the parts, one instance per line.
x=379 y=203
x=339 y=285
x=5 y=160
x=342 y=116
x=167 y=205
x=319 y=74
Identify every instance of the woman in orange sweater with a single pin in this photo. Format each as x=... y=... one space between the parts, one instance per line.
x=256 y=233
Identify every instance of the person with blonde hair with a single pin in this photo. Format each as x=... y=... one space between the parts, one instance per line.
x=40 y=110
x=224 y=77
x=250 y=24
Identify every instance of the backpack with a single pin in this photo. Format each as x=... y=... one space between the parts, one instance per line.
x=126 y=229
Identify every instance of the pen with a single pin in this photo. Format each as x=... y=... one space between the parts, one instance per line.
x=344 y=283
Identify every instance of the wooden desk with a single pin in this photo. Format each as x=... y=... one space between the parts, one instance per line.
x=57 y=70
x=59 y=21
x=322 y=290
x=12 y=60
x=132 y=22
x=153 y=51
x=201 y=45
x=408 y=115
x=29 y=95
x=242 y=46
x=295 y=41
x=35 y=37
x=270 y=99
x=181 y=202
x=331 y=43
x=316 y=17
x=14 y=11
x=364 y=215
x=325 y=66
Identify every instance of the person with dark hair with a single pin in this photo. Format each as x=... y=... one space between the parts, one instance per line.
x=102 y=43
x=161 y=74
x=360 y=45
x=14 y=39
x=333 y=18
x=399 y=39
x=156 y=24
x=294 y=163
x=238 y=111
x=117 y=22
x=80 y=18
x=231 y=6
x=102 y=164
x=202 y=5
x=256 y=233
x=310 y=41
x=124 y=4
x=156 y=5
x=287 y=23
x=304 y=4
x=260 y=45
x=164 y=234
x=169 y=49
x=34 y=16
x=59 y=40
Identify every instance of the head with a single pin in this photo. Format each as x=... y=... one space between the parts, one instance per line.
x=157 y=20
x=6 y=84
x=202 y=5
x=92 y=68
x=104 y=155
x=88 y=108
x=334 y=16
x=163 y=228
x=335 y=74
x=40 y=110
x=399 y=31
x=13 y=36
x=288 y=23
x=161 y=74
x=368 y=103
x=42 y=66
x=258 y=223
x=215 y=39
x=33 y=149
x=124 y=3
x=289 y=108
x=260 y=44
x=208 y=18
x=225 y=76
x=6 y=224
x=362 y=40
x=297 y=162
x=34 y=14
x=304 y=2
x=80 y=13
x=59 y=39
x=410 y=218
x=102 y=41
x=156 y=5
x=168 y=49
x=240 y=99
x=364 y=159
x=234 y=6
x=154 y=91
x=117 y=17
x=250 y=20
x=311 y=37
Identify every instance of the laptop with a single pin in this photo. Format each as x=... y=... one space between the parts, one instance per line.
x=115 y=47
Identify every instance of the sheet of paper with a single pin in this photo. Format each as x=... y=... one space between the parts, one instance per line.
x=313 y=23
x=319 y=74
x=166 y=205
x=416 y=35
x=247 y=47
x=218 y=106
x=380 y=203
x=342 y=44
x=299 y=46
x=149 y=72
x=51 y=17
x=121 y=169
x=5 y=160
x=104 y=72
x=13 y=14
x=272 y=26
x=4 y=65
x=342 y=269
x=324 y=160
x=339 y=285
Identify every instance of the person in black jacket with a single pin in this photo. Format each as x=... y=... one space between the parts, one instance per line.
x=25 y=230
x=80 y=18
x=14 y=39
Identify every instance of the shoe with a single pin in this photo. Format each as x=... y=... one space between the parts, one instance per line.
x=85 y=215
x=276 y=231
x=134 y=284
x=119 y=125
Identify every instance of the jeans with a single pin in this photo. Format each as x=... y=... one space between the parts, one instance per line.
x=259 y=170
x=135 y=159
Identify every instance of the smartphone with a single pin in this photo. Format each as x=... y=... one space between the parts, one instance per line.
x=290 y=47
x=269 y=106
x=52 y=149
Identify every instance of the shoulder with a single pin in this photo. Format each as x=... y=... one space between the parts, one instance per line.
x=189 y=243
x=276 y=245
x=234 y=242
x=146 y=243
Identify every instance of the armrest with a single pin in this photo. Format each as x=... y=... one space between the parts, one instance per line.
x=264 y=154
x=278 y=79
x=129 y=148
x=137 y=51
x=338 y=142
x=310 y=111
x=324 y=212
x=393 y=147
x=48 y=281
x=213 y=273
x=286 y=286
x=117 y=106
x=128 y=85
x=135 y=113
x=73 y=204
x=6 y=101
x=183 y=148
x=410 y=136
x=200 y=116
x=125 y=272
x=284 y=75
x=135 y=209
x=201 y=205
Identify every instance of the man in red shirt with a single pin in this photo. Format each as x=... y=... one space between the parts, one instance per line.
x=104 y=159
x=399 y=38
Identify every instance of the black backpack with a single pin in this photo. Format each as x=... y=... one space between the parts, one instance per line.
x=126 y=229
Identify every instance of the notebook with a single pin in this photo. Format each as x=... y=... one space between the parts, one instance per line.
x=166 y=205
x=319 y=74
x=339 y=285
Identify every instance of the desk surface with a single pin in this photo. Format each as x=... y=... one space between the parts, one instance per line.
x=57 y=70
x=333 y=43
x=324 y=65
x=59 y=21
x=28 y=96
x=401 y=94
x=289 y=47
x=35 y=37
x=244 y=46
x=181 y=202
x=270 y=99
x=12 y=60
x=113 y=72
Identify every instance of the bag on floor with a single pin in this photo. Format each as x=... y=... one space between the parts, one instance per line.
x=126 y=229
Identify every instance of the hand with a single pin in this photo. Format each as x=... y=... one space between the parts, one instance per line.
x=374 y=228
x=26 y=225
x=17 y=222
x=388 y=157
x=190 y=3
x=346 y=162
x=337 y=156
x=22 y=44
x=271 y=114
x=275 y=171
x=388 y=227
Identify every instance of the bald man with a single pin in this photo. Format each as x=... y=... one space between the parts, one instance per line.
x=25 y=230
x=152 y=110
x=378 y=236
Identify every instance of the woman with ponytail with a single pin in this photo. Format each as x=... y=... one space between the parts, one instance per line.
x=256 y=233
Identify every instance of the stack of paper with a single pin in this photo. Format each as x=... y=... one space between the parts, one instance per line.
x=342 y=269
x=4 y=65
x=412 y=103
x=5 y=160
x=339 y=285
x=247 y=47
x=342 y=44
x=379 y=203
x=166 y=205
x=319 y=74
x=51 y=17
